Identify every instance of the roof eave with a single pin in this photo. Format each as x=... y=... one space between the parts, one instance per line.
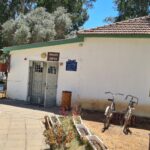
x=111 y=35
x=79 y=38
x=43 y=44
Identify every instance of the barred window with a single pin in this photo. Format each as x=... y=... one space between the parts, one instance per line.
x=52 y=70
x=38 y=68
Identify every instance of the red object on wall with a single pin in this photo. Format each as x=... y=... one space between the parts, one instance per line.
x=3 y=67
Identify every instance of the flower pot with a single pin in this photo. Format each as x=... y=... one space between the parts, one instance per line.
x=55 y=120
x=82 y=130
x=77 y=120
x=3 y=67
x=96 y=143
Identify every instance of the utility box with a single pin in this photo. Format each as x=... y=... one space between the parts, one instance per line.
x=66 y=99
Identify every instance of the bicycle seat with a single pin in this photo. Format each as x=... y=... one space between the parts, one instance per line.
x=109 y=99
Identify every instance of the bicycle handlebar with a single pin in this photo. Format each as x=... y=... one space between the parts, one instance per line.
x=108 y=93
x=132 y=98
x=113 y=95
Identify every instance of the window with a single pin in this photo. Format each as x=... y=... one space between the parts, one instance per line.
x=52 y=70
x=38 y=68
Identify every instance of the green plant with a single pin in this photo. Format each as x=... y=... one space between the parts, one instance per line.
x=65 y=136
x=4 y=57
x=50 y=137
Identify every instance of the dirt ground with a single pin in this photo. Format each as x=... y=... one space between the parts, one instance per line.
x=114 y=138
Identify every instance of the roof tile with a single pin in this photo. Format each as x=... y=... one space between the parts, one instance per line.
x=134 y=26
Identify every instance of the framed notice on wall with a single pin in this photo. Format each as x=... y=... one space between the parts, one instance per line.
x=71 y=65
x=52 y=56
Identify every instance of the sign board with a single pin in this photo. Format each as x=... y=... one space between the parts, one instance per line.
x=52 y=56
x=71 y=65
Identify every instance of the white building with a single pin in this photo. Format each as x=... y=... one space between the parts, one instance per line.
x=111 y=58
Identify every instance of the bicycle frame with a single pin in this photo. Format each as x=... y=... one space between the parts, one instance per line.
x=127 y=117
x=109 y=111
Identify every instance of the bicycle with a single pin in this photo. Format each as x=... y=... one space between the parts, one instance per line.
x=128 y=113
x=109 y=111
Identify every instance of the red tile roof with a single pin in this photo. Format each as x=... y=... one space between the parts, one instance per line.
x=135 y=26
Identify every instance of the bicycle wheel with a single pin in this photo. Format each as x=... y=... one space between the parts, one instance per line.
x=107 y=123
x=126 y=123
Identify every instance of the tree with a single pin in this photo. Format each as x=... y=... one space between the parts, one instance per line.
x=8 y=29
x=129 y=9
x=132 y=8
x=36 y=26
x=78 y=9
x=10 y=9
x=41 y=24
x=62 y=23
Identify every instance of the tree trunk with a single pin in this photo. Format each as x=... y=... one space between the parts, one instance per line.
x=22 y=2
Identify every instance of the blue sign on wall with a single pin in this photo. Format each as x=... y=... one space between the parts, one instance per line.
x=71 y=65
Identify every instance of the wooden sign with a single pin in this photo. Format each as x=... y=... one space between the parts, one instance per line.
x=52 y=56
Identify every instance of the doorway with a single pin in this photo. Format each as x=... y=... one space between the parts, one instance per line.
x=43 y=83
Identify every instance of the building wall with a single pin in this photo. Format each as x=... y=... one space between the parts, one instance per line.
x=104 y=64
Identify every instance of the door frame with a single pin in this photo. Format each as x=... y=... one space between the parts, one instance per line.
x=30 y=78
x=46 y=81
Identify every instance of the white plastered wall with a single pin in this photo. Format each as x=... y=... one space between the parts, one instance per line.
x=104 y=64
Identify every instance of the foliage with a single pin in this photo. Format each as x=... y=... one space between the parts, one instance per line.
x=59 y=136
x=37 y=26
x=4 y=57
x=64 y=135
x=10 y=9
x=78 y=9
x=65 y=24
x=62 y=22
x=132 y=8
x=128 y=9
x=8 y=30
x=77 y=110
x=42 y=25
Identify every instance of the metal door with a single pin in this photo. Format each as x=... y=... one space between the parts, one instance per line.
x=37 y=82
x=51 y=83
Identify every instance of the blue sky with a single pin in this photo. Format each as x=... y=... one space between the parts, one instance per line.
x=101 y=10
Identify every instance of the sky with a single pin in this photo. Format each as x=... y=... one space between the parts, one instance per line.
x=101 y=10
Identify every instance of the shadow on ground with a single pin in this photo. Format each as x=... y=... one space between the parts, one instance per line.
x=97 y=116
x=27 y=105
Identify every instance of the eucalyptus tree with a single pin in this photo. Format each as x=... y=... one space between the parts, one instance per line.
x=128 y=9
x=132 y=8
x=78 y=9
x=11 y=9
x=37 y=26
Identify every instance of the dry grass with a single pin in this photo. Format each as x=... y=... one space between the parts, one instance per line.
x=116 y=140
